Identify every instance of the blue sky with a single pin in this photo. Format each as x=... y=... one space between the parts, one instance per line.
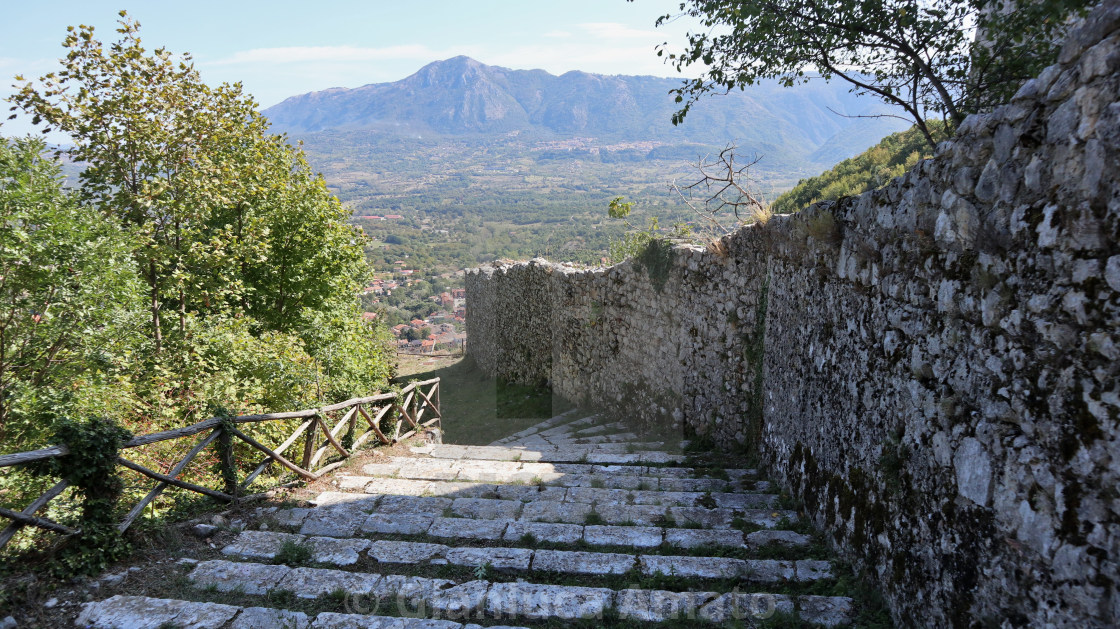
x=282 y=48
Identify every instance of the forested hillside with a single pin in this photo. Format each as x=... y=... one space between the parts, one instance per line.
x=873 y=168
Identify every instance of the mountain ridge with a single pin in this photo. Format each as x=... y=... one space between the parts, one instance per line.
x=461 y=96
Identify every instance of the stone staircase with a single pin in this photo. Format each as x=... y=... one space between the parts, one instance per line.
x=573 y=522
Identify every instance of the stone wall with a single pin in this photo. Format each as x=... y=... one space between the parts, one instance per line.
x=933 y=368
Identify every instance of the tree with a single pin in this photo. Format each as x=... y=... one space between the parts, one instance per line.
x=231 y=230
x=918 y=56
x=65 y=279
x=228 y=218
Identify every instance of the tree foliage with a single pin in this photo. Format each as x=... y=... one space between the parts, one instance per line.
x=921 y=57
x=66 y=283
x=187 y=211
x=873 y=168
x=227 y=218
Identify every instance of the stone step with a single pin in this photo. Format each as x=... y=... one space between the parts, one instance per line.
x=513 y=600
x=599 y=429
x=135 y=612
x=475 y=515
x=346 y=552
x=547 y=425
x=611 y=454
x=620 y=469
x=579 y=494
x=589 y=443
x=602 y=433
x=427 y=516
x=558 y=474
x=529 y=471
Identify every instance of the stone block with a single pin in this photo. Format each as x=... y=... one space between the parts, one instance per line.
x=347 y=482
x=343 y=500
x=617 y=470
x=538 y=602
x=459 y=602
x=748 y=607
x=315 y=582
x=555 y=533
x=452 y=528
x=529 y=493
x=141 y=612
x=495 y=558
x=398 y=487
x=780 y=537
x=552 y=511
x=827 y=611
x=227 y=576
x=633 y=515
x=291 y=517
x=574 y=468
x=660 y=605
x=633 y=536
x=407 y=592
x=458 y=489
x=667 y=498
x=576 y=562
x=269 y=618
x=415 y=505
x=486 y=509
x=333 y=522
x=692 y=567
x=397 y=524
x=692 y=484
x=744 y=501
x=769 y=570
x=382 y=469
x=693 y=538
x=385 y=551
x=702 y=517
x=813 y=570
x=259 y=544
x=592 y=495
x=333 y=620
x=340 y=552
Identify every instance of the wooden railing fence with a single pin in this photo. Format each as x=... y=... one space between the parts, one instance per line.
x=411 y=404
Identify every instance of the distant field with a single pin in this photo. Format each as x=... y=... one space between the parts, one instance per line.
x=470 y=201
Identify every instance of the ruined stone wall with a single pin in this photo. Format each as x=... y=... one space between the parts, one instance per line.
x=933 y=368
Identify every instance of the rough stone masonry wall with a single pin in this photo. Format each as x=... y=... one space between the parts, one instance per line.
x=933 y=368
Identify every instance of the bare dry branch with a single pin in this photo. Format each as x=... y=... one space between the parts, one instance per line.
x=724 y=184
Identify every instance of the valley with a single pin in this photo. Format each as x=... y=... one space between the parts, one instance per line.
x=482 y=162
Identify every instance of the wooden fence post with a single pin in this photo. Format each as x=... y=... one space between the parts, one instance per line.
x=225 y=458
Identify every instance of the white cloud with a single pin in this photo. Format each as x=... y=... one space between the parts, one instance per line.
x=598 y=58
x=614 y=30
x=303 y=54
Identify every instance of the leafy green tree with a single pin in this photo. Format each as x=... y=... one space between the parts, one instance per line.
x=232 y=231
x=66 y=284
x=146 y=128
x=227 y=218
x=308 y=260
x=922 y=57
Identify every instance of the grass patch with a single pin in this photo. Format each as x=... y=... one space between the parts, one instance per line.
x=292 y=554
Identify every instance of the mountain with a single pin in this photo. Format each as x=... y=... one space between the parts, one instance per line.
x=476 y=162
x=814 y=124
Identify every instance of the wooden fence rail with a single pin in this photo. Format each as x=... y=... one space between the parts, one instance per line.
x=320 y=439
